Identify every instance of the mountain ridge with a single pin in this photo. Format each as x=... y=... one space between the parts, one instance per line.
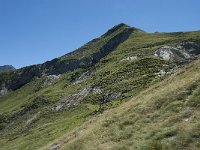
x=45 y=102
x=6 y=68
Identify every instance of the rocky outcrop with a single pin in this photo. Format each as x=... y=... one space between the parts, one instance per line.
x=50 y=80
x=71 y=100
x=112 y=96
x=130 y=58
x=182 y=52
x=3 y=90
x=83 y=77
x=32 y=119
x=191 y=47
x=96 y=90
x=54 y=147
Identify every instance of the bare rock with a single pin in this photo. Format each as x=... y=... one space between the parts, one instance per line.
x=96 y=90
x=72 y=100
x=83 y=77
x=182 y=52
x=112 y=96
x=54 y=147
x=161 y=73
x=191 y=47
x=129 y=58
x=31 y=120
x=50 y=80
x=3 y=90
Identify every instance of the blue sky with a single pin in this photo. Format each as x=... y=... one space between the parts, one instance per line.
x=34 y=31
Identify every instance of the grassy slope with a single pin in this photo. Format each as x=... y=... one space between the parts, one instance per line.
x=18 y=134
x=165 y=116
x=130 y=78
x=48 y=125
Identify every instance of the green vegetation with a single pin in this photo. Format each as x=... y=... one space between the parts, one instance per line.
x=45 y=128
x=149 y=121
x=122 y=101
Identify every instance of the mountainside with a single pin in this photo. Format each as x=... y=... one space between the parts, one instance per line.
x=165 y=116
x=6 y=68
x=133 y=87
x=84 y=57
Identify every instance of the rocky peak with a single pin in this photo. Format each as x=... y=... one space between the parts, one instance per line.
x=115 y=28
x=6 y=68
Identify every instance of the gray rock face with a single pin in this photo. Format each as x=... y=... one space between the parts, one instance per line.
x=182 y=52
x=71 y=100
x=54 y=147
x=83 y=77
x=165 y=52
x=96 y=90
x=112 y=96
x=50 y=80
x=164 y=72
x=3 y=90
x=130 y=58
x=32 y=119
x=192 y=47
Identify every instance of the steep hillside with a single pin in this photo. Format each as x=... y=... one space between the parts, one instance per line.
x=165 y=116
x=84 y=57
x=6 y=68
x=41 y=103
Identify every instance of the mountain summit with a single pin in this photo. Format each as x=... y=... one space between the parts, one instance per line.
x=6 y=68
x=117 y=27
x=127 y=89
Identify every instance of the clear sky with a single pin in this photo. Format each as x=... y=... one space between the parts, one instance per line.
x=34 y=31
